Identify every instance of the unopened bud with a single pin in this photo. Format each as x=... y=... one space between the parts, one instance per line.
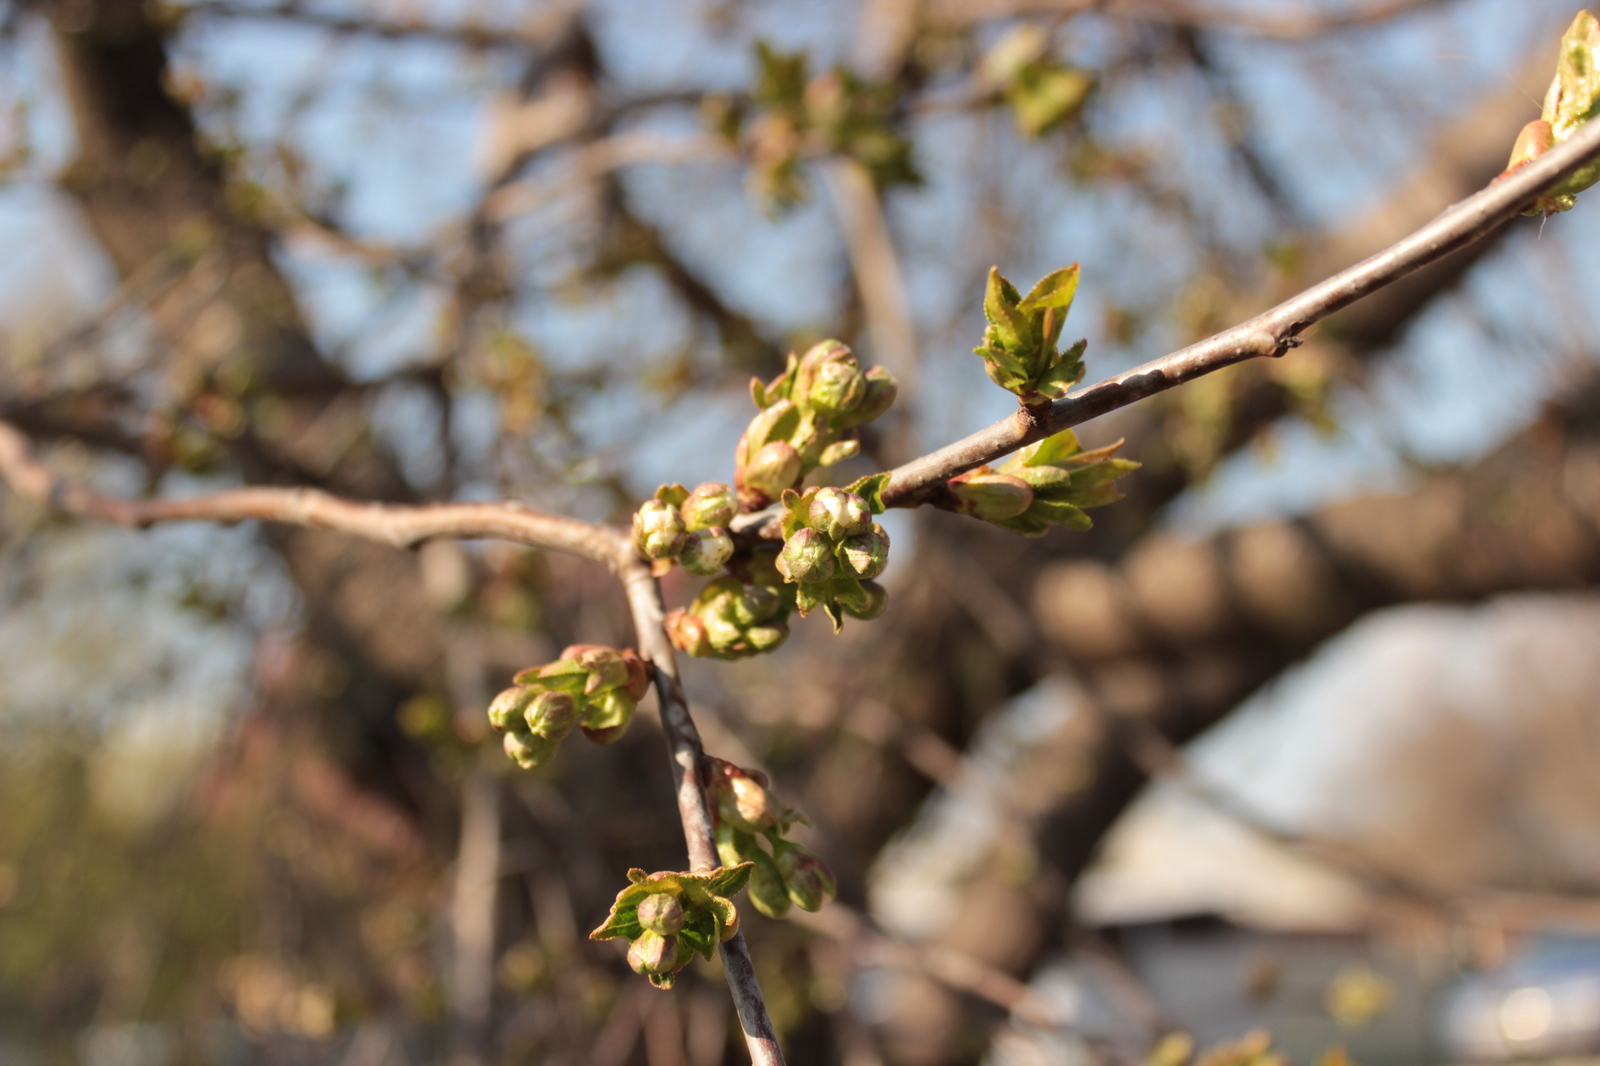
x=839 y=514
x=807 y=879
x=606 y=666
x=829 y=379
x=552 y=715
x=766 y=887
x=706 y=551
x=992 y=495
x=652 y=953
x=865 y=600
x=529 y=749
x=877 y=399
x=688 y=633
x=658 y=530
x=710 y=504
x=773 y=468
x=866 y=554
x=807 y=557
x=506 y=710
x=606 y=716
x=661 y=913
x=743 y=801
x=767 y=636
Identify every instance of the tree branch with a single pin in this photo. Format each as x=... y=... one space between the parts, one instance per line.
x=1271 y=333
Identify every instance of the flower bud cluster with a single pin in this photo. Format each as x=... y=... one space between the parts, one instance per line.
x=730 y=620
x=744 y=814
x=592 y=687
x=668 y=917
x=690 y=527
x=1019 y=344
x=832 y=549
x=804 y=414
x=1050 y=483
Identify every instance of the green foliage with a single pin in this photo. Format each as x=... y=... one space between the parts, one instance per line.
x=702 y=918
x=1050 y=483
x=1043 y=93
x=1019 y=345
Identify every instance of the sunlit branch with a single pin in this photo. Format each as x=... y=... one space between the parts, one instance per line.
x=1271 y=333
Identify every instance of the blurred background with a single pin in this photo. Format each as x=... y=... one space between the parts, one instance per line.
x=1303 y=737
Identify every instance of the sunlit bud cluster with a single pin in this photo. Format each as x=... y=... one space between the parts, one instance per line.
x=668 y=918
x=831 y=551
x=1019 y=344
x=1050 y=483
x=1572 y=100
x=751 y=827
x=592 y=687
x=804 y=413
x=690 y=527
x=729 y=620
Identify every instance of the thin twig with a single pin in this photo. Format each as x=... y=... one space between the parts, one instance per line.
x=1271 y=333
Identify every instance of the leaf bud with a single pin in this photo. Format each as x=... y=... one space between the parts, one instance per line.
x=807 y=879
x=505 y=712
x=866 y=554
x=865 y=600
x=661 y=913
x=839 y=514
x=706 y=551
x=688 y=633
x=551 y=715
x=991 y=495
x=529 y=749
x=773 y=468
x=658 y=530
x=766 y=887
x=606 y=716
x=652 y=953
x=877 y=399
x=710 y=504
x=807 y=557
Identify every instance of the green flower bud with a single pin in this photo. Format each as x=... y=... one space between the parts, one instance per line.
x=991 y=495
x=866 y=554
x=529 y=749
x=807 y=879
x=829 y=379
x=878 y=398
x=807 y=557
x=765 y=637
x=551 y=715
x=507 y=709
x=706 y=551
x=766 y=887
x=742 y=798
x=710 y=504
x=865 y=600
x=658 y=530
x=733 y=846
x=606 y=666
x=688 y=633
x=606 y=716
x=839 y=514
x=773 y=468
x=661 y=913
x=652 y=953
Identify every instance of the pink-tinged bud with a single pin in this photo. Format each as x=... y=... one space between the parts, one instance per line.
x=688 y=634
x=706 y=551
x=807 y=879
x=638 y=675
x=661 y=913
x=865 y=600
x=529 y=749
x=878 y=398
x=507 y=709
x=552 y=715
x=742 y=798
x=991 y=495
x=658 y=530
x=710 y=504
x=839 y=514
x=607 y=669
x=606 y=716
x=652 y=953
x=867 y=554
x=766 y=887
x=1532 y=142
x=807 y=557
x=829 y=379
x=773 y=468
